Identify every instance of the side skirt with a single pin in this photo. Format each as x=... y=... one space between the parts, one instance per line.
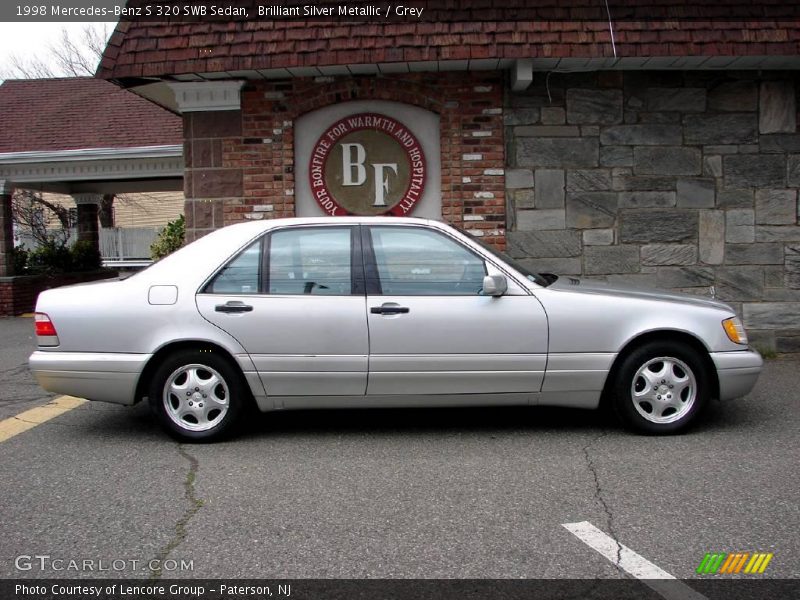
x=395 y=401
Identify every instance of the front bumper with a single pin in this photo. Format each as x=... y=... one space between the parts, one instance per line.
x=105 y=377
x=737 y=371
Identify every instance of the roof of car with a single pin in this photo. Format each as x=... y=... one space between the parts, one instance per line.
x=263 y=225
x=344 y=219
x=220 y=244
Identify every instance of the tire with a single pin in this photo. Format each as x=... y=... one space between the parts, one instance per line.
x=197 y=395
x=661 y=387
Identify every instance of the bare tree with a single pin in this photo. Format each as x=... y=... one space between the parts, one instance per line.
x=81 y=56
x=105 y=212
x=32 y=213
x=70 y=56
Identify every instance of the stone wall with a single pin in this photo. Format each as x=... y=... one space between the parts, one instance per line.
x=676 y=180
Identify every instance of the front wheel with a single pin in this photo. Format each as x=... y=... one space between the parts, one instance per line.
x=661 y=387
x=197 y=395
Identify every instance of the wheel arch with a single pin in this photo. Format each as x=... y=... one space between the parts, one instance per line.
x=662 y=335
x=152 y=364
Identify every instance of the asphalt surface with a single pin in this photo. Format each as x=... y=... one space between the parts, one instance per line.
x=466 y=493
x=18 y=390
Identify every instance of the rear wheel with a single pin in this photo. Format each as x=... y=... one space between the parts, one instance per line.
x=661 y=387
x=197 y=395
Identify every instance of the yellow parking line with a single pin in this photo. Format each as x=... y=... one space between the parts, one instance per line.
x=26 y=315
x=36 y=416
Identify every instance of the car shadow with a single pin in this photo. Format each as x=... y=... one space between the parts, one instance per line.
x=138 y=422
x=405 y=421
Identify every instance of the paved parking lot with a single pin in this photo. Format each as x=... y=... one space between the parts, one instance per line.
x=468 y=493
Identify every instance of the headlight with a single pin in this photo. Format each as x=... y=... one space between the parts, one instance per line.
x=735 y=330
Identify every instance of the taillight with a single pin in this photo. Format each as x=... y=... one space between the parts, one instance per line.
x=44 y=326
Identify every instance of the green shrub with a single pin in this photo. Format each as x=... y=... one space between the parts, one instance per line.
x=19 y=257
x=170 y=239
x=52 y=257
x=85 y=256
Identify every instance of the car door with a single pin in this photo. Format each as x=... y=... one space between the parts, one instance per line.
x=433 y=332
x=294 y=299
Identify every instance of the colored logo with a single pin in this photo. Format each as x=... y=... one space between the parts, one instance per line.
x=367 y=164
x=721 y=563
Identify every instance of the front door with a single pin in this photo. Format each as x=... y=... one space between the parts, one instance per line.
x=294 y=299
x=432 y=331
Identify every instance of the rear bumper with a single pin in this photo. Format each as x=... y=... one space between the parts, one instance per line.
x=98 y=376
x=737 y=372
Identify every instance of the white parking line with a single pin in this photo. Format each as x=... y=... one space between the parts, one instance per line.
x=632 y=563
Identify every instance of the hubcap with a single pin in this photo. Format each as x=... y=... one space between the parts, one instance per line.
x=664 y=390
x=196 y=397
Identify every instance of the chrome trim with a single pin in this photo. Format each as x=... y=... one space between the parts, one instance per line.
x=302 y=363
x=405 y=363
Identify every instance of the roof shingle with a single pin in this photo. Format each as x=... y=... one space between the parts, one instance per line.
x=555 y=29
x=80 y=112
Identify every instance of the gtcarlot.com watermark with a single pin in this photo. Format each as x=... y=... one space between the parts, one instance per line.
x=46 y=562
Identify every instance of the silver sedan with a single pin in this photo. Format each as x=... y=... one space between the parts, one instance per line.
x=379 y=312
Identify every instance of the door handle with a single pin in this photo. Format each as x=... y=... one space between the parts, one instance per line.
x=388 y=309
x=233 y=307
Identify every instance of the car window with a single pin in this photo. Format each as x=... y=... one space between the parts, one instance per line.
x=423 y=262
x=241 y=275
x=314 y=260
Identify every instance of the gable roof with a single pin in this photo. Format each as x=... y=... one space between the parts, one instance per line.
x=78 y=113
x=156 y=49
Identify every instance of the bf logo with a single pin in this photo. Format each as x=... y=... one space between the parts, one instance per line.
x=354 y=173
x=367 y=164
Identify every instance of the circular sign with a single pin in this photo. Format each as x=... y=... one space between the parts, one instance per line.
x=367 y=164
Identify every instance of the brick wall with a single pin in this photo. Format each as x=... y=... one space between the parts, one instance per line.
x=240 y=164
x=681 y=180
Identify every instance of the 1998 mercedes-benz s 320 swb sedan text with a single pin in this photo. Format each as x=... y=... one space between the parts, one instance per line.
x=376 y=311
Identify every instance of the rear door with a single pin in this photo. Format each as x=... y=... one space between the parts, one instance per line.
x=294 y=299
x=431 y=329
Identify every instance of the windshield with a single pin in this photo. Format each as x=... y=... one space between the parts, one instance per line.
x=542 y=279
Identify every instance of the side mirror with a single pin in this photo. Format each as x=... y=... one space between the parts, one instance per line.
x=495 y=285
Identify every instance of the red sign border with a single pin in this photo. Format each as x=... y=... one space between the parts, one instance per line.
x=394 y=210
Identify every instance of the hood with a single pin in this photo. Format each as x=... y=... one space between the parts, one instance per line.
x=580 y=286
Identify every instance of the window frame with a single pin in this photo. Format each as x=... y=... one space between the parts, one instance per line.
x=357 y=274
x=205 y=288
x=374 y=286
